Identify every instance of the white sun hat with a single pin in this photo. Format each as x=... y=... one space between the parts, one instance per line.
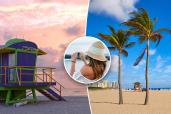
x=97 y=51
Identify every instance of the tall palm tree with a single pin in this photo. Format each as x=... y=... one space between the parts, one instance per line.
x=119 y=41
x=143 y=26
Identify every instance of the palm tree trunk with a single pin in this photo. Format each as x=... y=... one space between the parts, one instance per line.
x=119 y=79
x=146 y=74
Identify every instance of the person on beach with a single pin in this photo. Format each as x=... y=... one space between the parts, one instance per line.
x=94 y=63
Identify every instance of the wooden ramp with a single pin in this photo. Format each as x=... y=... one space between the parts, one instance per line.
x=51 y=94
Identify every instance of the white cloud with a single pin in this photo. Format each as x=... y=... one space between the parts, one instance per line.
x=158 y=58
x=152 y=51
x=117 y=8
x=114 y=63
x=160 y=64
x=167 y=69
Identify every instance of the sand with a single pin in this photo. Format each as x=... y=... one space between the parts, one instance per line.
x=73 y=105
x=76 y=103
x=105 y=101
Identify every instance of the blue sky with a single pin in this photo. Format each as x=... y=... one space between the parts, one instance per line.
x=102 y=13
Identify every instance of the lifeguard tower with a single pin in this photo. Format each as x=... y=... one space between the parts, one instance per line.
x=19 y=76
x=137 y=86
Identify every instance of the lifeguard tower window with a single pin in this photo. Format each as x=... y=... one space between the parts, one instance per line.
x=12 y=63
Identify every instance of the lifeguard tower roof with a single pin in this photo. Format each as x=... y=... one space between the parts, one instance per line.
x=10 y=48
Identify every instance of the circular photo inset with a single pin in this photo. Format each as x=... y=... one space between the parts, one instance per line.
x=87 y=60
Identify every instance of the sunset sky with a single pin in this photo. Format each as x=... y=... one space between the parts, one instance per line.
x=51 y=24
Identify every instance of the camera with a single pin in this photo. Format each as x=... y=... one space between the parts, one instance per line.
x=78 y=55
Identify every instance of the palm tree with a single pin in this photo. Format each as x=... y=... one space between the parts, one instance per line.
x=119 y=41
x=143 y=26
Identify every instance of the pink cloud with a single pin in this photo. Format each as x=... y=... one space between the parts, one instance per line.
x=21 y=2
x=41 y=15
x=50 y=24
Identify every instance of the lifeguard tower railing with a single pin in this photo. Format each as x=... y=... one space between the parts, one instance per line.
x=40 y=75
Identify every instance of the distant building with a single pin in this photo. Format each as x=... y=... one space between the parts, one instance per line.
x=93 y=85
x=105 y=84
x=114 y=85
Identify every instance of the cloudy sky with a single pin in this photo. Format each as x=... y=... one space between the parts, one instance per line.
x=52 y=24
x=114 y=12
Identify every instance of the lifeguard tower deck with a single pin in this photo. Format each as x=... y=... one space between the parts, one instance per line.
x=19 y=76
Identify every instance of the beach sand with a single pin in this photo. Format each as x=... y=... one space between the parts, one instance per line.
x=77 y=103
x=105 y=101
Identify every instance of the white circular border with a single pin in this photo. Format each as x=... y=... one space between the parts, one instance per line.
x=104 y=75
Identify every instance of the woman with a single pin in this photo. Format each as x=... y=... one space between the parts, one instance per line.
x=94 y=64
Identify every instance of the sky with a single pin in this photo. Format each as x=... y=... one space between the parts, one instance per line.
x=51 y=24
x=114 y=12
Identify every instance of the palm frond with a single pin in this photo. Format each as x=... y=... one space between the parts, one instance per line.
x=129 y=45
x=116 y=41
x=119 y=40
x=133 y=32
x=146 y=17
x=156 y=37
x=162 y=30
x=158 y=42
x=135 y=25
x=112 y=48
x=141 y=16
x=142 y=39
x=125 y=53
x=140 y=58
x=122 y=38
x=106 y=37
x=138 y=17
x=110 y=39
x=112 y=29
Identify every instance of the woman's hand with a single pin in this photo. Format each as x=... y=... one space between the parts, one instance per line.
x=74 y=57
x=73 y=60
